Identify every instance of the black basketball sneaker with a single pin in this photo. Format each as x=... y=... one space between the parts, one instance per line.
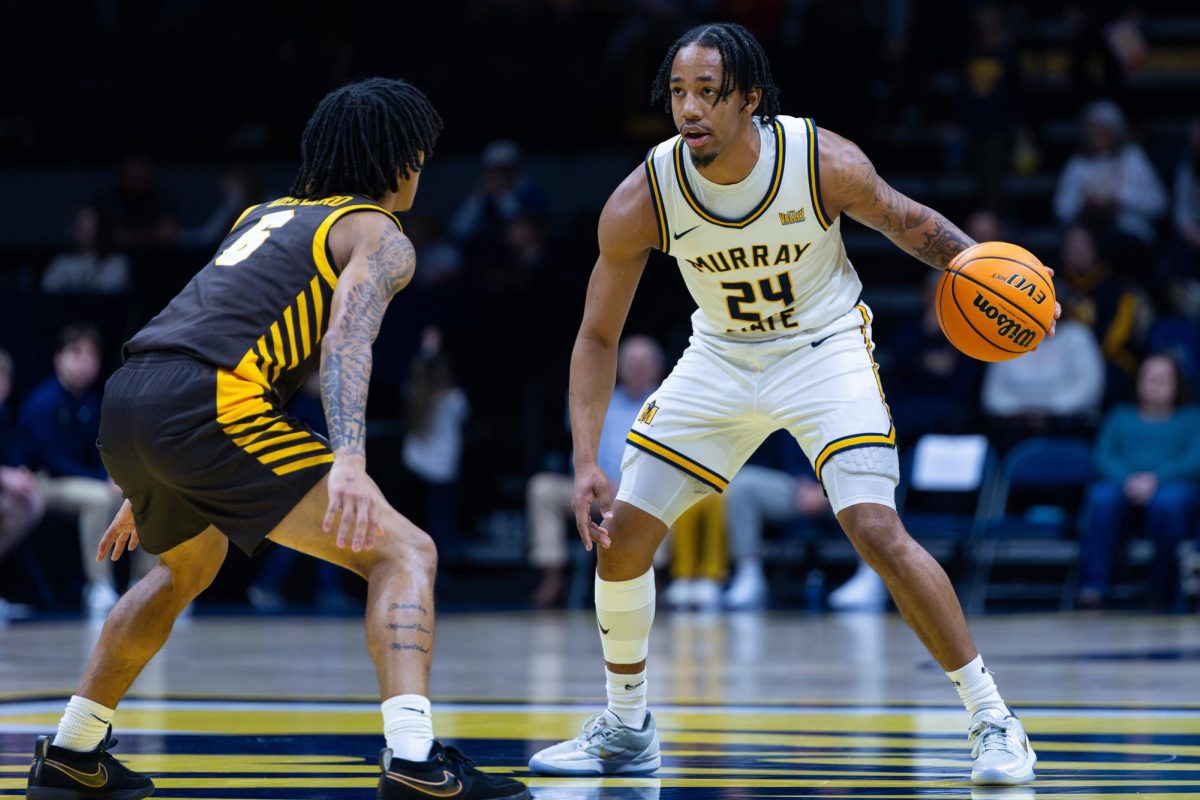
x=61 y=774
x=448 y=774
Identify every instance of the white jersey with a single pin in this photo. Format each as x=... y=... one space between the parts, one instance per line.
x=761 y=257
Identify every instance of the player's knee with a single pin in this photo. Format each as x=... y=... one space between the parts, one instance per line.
x=192 y=575
x=402 y=546
x=877 y=533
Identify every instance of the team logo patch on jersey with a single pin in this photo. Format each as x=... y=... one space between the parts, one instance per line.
x=647 y=415
x=788 y=217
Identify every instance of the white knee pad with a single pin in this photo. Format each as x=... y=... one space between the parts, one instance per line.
x=659 y=489
x=625 y=612
x=861 y=475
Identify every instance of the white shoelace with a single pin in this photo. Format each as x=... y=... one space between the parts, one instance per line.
x=992 y=735
x=595 y=728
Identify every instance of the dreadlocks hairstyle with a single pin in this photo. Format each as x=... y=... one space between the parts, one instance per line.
x=362 y=136
x=745 y=66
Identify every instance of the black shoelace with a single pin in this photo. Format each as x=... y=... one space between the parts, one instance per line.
x=455 y=757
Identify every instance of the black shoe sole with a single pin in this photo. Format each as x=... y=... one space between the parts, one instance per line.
x=47 y=793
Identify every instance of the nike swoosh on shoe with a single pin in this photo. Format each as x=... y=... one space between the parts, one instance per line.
x=92 y=780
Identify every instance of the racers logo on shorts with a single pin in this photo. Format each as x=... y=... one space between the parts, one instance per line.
x=647 y=415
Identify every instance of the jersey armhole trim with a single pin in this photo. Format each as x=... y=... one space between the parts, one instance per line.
x=814 y=174
x=660 y=211
x=322 y=256
x=242 y=216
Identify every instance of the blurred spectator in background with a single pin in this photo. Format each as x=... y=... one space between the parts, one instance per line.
x=991 y=103
x=435 y=411
x=1111 y=185
x=1182 y=259
x=267 y=591
x=1113 y=306
x=501 y=194
x=527 y=249
x=1148 y=458
x=439 y=258
x=931 y=386
x=1106 y=42
x=56 y=437
x=142 y=213
x=93 y=267
x=240 y=189
x=775 y=486
x=21 y=505
x=1056 y=389
x=548 y=495
x=698 y=557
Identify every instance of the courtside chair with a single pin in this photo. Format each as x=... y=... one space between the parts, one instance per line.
x=1033 y=522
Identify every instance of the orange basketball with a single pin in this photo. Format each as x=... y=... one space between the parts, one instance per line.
x=995 y=301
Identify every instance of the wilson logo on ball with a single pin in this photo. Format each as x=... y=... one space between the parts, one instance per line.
x=1006 y=326
x=1026 y=287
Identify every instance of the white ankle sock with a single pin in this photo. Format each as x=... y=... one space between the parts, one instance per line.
x=83 y=725
x=627 y=697
x=976 y=687
x=408 y=726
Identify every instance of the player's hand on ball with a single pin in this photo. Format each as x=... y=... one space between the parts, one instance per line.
x=1057 y=309
x=121 y=535
x=354 y=496
x=591 y=486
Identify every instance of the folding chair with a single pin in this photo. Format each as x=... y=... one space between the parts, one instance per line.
x=1032 y=522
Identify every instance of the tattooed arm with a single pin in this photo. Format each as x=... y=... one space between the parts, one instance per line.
x=379 y=263
x=849 y=183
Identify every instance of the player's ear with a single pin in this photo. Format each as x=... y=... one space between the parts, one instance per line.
x=753 y=98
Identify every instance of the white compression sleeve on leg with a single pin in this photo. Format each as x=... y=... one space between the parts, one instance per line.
x=625 y=611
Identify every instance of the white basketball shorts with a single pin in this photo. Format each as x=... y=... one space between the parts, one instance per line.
x=725 y=397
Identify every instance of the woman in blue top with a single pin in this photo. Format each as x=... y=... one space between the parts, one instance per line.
x=1148 y=457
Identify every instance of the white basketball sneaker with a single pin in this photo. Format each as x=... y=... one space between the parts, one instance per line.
x=681 y=594
x=1003 y=756
x=865 y=591
x=748 y=590
x=603 y=747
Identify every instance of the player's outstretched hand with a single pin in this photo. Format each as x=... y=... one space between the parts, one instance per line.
x=591 y=486
x=354 y=496
x=121 y=535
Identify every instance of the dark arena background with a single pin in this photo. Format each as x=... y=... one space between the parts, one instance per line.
x=134 y=132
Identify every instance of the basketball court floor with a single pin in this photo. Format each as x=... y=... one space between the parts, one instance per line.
x=748 y=706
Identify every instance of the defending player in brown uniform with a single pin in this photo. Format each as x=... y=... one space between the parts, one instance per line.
x=192 y=429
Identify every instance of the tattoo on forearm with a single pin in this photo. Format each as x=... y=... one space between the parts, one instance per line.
x=410 y=646
x=942 y=244
x=346 y=356
x=408 y=607
x=416 y=626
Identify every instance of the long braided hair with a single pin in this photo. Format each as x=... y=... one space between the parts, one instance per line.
x=364 y=137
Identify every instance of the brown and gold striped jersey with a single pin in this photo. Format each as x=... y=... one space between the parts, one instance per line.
x=259 y=309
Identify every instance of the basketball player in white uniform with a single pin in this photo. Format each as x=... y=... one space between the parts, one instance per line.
x=750 y=203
